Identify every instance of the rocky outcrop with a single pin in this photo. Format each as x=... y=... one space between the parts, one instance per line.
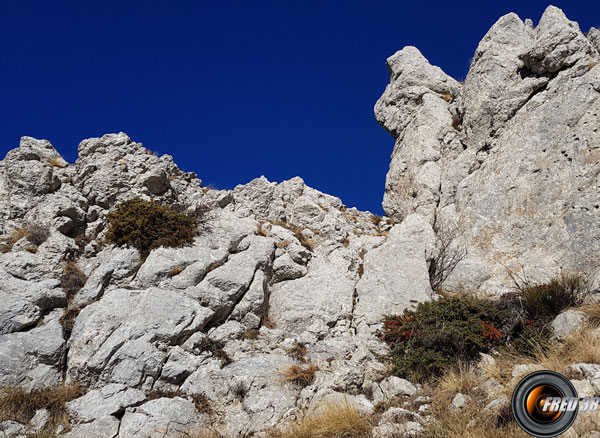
x=504 y=165
x=510 y=156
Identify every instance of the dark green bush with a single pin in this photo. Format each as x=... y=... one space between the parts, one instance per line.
x=545 y=301
x=530 y=336
x=146 y=225
x=438 y=334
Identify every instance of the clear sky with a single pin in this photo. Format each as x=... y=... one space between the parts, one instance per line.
x=234 y=90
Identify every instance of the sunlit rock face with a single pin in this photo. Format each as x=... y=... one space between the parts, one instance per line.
x=280 y=274
x=510 y=157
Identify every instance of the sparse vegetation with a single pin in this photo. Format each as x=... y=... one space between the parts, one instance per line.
x=37 y=234
x=216 y=349
x=298 y=352
x=546 y=300
x=19 y=405
x=146 y=225
x=176 y=271
x=7 y=242
x=300 y=375
x=250 y=334
x=335 y=420
x=72 y=279
x=67 y=321
x=202 y=403
x=449 y=253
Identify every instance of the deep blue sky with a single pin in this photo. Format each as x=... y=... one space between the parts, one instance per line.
x=233 y=90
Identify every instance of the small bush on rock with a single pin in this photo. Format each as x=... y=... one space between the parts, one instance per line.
x=439 y=334
x=146 y=225
x=545 y=301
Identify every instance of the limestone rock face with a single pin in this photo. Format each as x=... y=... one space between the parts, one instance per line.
x=504 y=165
x=510 y=156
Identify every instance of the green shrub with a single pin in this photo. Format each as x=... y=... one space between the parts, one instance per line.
x=146 y=225
x=545 y=301
x=438 y=334
x=529 y=337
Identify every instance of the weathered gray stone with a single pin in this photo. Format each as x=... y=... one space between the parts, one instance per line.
x=105 y=427
x=32 y=359
x=396 y=273
x=568 y=322
x=110 y=399
x=118 y=339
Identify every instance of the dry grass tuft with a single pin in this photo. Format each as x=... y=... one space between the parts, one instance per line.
x=298 y=352
x=300 y=375
x=268 y=323
x=250 y=334
x=336 y=420
x=19 y=405
x=205 y=433
x=464 y=379
x=176 y=271
x=261 y=231
x=7 y=242
x=283 y=244
x=592 y=310
x=37 y=234
x=72 y=279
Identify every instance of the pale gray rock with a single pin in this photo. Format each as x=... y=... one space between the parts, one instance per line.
x=584 y=388
x=568 y=322
x=223 y=287
x=39 y=419
x=24 y=302
x=558 y=43
x=163 y=417
x=522 y=370
x=32 y=359
x=585 y=370
x=459 y=401
x=519 y=199
x=284 y=268
x=296 y=305
x=396 y=273
x=110 y=267
x=497 y=405
x=105 y=427
x=393 y=387
x=161 y=263
x=111 y=399
x=252 y=307
x=121 y=337
x=12 y=429
x=29 y=173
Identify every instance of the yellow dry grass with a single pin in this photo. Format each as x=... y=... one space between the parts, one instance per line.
x=335 y=420
x=301 y=375
x=6 y=243
x=19 y=405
